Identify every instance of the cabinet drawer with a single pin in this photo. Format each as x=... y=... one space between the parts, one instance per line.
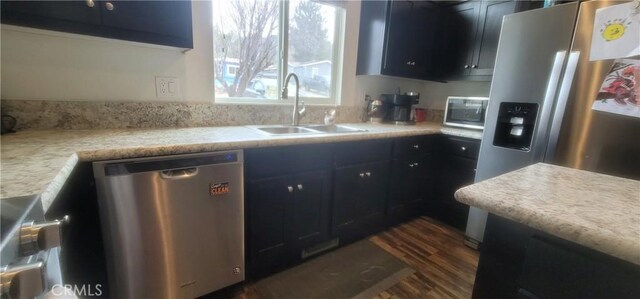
x=414 y=146
x=350 y=153
x=274 y=161
x=462 y=147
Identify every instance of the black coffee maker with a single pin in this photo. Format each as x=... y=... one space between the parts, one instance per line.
x=398 y=107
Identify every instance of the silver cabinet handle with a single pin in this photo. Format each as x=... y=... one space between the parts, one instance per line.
x=408 y=62
x=26 y=281
x=474 y=66
x=91 y=3
x=416 y=146
x=466 y=66
x=35 y=237
x=109 y=6
x=362 y=174
x=290 y=188
x=368 y=174
x=300 y=187
x=176 y=174
x=462 y=148
x=411 y=165
x=416 y=164
x=413 y=63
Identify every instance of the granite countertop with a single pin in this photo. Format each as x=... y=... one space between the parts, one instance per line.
x=598 y=211
x=40 y=161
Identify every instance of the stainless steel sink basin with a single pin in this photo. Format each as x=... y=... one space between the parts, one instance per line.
x=309 y=129
x=334 y=129
x=282 y=130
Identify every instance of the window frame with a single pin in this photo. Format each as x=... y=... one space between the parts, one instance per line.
x=337 y=63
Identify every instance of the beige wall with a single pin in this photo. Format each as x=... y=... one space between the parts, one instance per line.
x=45 y=65
x=54 y=66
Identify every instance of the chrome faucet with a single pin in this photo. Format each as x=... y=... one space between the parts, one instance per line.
x=297 y=114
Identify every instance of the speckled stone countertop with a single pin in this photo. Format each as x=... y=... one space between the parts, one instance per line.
x=598 y=211
x=40 y=161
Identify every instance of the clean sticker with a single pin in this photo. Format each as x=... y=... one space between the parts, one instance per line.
x=218 y=189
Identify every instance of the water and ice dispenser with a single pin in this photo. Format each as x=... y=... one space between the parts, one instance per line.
x=516 y=124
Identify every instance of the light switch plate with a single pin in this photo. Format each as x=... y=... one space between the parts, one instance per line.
x=167 y=87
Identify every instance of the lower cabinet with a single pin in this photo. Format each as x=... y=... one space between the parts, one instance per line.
x=302 y=200
x=458 y=160
x=286 y=214
x=359 y=200
x=411 y=187
x=517 y=261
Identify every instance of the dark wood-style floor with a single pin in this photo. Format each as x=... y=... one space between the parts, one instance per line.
x=445 y=267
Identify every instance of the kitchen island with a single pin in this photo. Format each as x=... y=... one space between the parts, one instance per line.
x=556 y=232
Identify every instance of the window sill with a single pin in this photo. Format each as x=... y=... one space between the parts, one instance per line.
x=271 y=102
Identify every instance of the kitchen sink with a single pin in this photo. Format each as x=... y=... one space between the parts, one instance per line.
x=334 y=129
x=309 y=129
x=282 y=130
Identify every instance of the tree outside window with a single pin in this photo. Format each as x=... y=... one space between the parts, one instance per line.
x=249 y=35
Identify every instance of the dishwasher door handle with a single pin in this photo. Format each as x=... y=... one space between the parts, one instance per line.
x=182 y=173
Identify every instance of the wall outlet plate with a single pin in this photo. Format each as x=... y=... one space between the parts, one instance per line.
x=167 y=87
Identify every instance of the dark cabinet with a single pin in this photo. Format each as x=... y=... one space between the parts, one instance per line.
x=309 y=209
x=470 y=36
x=267 y=203
x=53 y=11
x=459 y=23
x=412 y=176
x=398 y=38
x=359 y=199
x=458 y=161
x=156 y=22
x=288 y=198
x=517 y=261
x=287 y=214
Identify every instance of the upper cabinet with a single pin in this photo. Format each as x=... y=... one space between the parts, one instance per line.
x=470 y=35
x=397 y=38
x=155 y=22
x=433 y=40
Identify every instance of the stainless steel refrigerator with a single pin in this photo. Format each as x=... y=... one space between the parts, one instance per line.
x=540 y=102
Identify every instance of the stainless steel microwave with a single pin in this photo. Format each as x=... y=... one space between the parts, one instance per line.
x=466 y=112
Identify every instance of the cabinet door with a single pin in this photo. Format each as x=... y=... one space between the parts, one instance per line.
x=164 y=22
x=458 y=33
x=411 y=186
x=267 y=203
x=347 y=189
x=56 y=15
x=486 y=46
x=410 y=39
x=310 y=209
x=457 y=173
x=400 y=38
x=372 y=201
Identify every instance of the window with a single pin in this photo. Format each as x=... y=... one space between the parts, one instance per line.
x=232 y=70
x=258 y=42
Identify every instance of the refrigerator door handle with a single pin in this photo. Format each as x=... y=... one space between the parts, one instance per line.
x=563 y=96
x=547 y=105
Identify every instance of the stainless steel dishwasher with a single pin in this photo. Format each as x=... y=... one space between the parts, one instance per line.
x=173 y=226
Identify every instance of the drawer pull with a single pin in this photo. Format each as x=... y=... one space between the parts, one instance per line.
x=462 y=148
x=109 y=6
x=300 y=187
x=412 y=165
x=368 y=174
x=362 y=174
x=416 y=146
x=290 y=188
x=90 y=3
